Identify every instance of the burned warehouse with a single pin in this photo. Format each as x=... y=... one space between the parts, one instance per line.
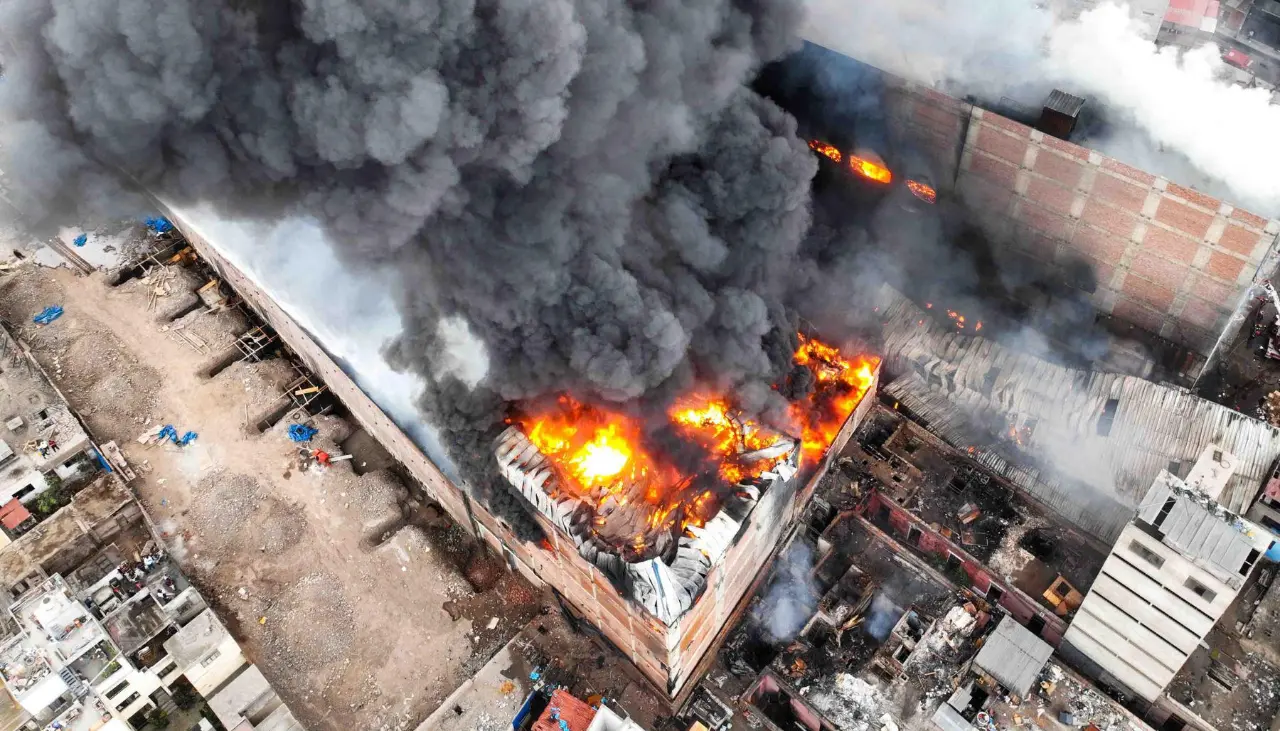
x=623 y=365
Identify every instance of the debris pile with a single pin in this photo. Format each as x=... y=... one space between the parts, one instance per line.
x=1271 y=408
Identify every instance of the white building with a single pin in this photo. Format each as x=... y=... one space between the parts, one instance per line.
x=1173 y=572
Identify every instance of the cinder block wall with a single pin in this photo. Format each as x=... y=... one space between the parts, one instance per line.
x=1171 y=260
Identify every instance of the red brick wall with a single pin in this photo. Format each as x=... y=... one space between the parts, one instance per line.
x=1020 y=606
x=1169 y=259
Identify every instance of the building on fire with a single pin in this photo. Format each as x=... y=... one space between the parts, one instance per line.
x=934 y=539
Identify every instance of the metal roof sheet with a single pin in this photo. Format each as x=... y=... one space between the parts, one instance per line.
x=1197 y=528
x=1013 y=656
x=1064 y=103
x=970 y=389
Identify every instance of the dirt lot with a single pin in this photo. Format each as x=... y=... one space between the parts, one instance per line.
x=355 y=632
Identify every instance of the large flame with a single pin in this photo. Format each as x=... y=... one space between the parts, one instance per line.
x=870 y=169
x=603 y=458
x=826 y=149
x=841 y=384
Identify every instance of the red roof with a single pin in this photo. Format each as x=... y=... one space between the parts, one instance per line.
x=1236 y=58
x=13 y=514
x=1191 y=13
x=565 y=713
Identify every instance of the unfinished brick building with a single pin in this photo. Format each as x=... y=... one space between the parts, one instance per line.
x=669 y=651
x=1166 y=258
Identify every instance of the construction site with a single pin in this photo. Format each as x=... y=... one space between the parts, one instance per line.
x=1010 y=461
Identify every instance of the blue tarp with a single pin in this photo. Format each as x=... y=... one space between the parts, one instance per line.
x=302 y=432
x=103 y=461
x=168 y=432
x=48 y=315
x=159 y=224
x=81 y=240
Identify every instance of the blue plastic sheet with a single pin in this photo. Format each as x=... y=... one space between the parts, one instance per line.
x=48 y=315
x=170 y=433
x=302 y=432
x=159 y=224
x=81 y=240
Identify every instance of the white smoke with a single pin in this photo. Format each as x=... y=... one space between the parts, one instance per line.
x=1184 y=103
x=351 y=313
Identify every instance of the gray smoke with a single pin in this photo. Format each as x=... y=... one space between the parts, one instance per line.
x=587 y=185
x=792 y=595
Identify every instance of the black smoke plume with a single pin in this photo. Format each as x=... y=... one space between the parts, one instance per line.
x=589 y=184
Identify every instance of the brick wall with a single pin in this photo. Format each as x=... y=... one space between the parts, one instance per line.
x=930 y=123
x=1168 y=259
x=1012 y=599
x=667 y=656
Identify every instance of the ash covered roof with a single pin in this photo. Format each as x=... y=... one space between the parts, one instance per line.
x=1013 y=656
x=1078 y=429
x=1198 y=530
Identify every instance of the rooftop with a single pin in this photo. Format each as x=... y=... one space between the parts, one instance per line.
x=38 y=428
x=201 y=636
x=1013 y=656
x=136 y=623
x=1084 y=443
x=1199 y=529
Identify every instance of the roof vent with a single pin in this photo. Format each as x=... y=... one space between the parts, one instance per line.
x=1060 y=114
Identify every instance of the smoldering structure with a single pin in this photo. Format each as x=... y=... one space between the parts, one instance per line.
x=590 y=187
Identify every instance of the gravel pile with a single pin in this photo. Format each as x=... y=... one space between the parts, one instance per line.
x=280 y=526
x=263 y=382
x=223 y=504
x=309 y=625
x=378 y=496
x=113 y=389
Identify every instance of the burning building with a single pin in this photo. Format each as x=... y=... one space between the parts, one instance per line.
x=683 y=544
x=657 y=550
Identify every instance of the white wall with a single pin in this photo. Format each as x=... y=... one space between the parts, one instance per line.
x=205 y=678
x=1140 y=621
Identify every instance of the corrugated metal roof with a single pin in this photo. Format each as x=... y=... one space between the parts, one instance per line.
x=1013 y=656
x=1064 y=103
x=1196 y=528
x=972 y=391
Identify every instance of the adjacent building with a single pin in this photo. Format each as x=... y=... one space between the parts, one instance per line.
x=1173 y=572
x=42 y=444
x=99 y=627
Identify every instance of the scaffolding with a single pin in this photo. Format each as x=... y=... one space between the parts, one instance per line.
x=254 y=343
x=303 y=391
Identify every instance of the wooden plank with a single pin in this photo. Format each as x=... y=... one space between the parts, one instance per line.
x=116 y=459
x=72 y=257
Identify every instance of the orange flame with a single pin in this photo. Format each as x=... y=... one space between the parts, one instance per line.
x=825 y=149
x=924 y=192
x=870 y=169
x=710 y=422
x=602 y=458
x=842 y=382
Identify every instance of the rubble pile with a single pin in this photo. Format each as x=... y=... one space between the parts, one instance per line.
x=851 y=703
x=1271 y=408
x=314 y=607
